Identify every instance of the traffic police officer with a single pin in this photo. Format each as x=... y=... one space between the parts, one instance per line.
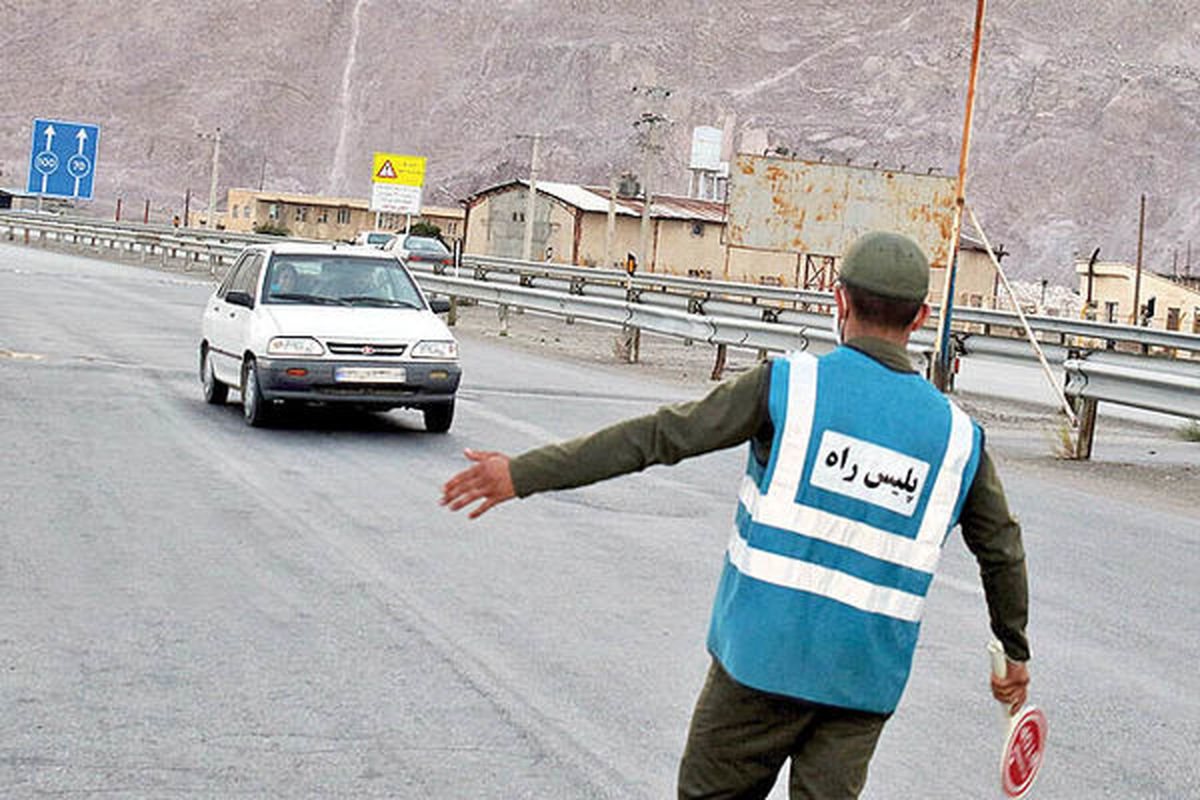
x=858 y=470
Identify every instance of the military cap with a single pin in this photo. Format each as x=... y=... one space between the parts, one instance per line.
x=887 y=264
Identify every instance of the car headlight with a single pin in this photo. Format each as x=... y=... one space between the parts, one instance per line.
x=435 y=349
x=294 y=346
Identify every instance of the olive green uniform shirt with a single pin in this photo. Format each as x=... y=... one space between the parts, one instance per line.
x=736 y=412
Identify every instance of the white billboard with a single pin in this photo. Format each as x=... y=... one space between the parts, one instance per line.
x=706 y=148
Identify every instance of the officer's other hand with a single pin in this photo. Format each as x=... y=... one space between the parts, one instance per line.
x=1013 y=688
x=488 y=479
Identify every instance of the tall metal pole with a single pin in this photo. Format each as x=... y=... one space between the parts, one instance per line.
x=942 y=360
x=1137 y=281
x=187 y=207
x=212 y=184
x=531 y=199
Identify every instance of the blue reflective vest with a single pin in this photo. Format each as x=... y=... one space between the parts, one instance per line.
x=838 y=535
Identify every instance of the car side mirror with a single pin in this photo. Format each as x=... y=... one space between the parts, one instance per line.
x=240 y=299
x=439 y=305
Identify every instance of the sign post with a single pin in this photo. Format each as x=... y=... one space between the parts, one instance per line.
x=396 y=183
x=62 y=160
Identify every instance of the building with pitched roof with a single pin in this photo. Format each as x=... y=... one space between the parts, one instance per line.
x=571 y=226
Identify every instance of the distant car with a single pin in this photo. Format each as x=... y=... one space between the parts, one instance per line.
x=419 y=248
x=326 y=323
x=374 y=238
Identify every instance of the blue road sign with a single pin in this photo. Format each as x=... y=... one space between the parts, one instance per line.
x=62 y=162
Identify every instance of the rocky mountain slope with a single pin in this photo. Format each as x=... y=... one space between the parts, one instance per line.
x=1082 y=106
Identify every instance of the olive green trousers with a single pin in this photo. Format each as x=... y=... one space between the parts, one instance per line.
x=740 y=737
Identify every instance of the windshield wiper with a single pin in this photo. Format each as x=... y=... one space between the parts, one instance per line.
x=311 y=298
x=383 y=301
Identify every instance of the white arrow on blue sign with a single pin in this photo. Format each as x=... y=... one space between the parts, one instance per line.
x=62 y=162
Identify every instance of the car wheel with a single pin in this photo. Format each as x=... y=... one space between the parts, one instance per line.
x=256 y=409
x=215 y=392
x=439 y=416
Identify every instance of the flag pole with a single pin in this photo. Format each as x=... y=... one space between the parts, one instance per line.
x=943 y=357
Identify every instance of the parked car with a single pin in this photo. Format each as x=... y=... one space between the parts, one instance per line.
x=419 y=248
x=331 y=324
x=378 y=239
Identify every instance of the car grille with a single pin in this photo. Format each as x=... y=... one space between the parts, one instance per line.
x=367 y=349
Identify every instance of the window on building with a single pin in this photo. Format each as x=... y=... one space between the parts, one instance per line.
x=452 y=229
x=301 y=213
x=1110 y=311
x=343 y=216
x=1174 y=317
x=273 y=210
x=323 y=215
x=518 y=216
x=235 y=212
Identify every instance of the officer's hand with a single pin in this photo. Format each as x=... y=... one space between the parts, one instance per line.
x=1013 y=688
x=488 y=480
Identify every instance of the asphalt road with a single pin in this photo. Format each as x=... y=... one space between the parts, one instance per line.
x=189 y=607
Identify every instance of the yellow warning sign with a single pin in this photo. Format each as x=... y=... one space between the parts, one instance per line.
x=402 y=170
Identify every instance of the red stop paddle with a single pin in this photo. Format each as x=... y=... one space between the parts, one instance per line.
x=1025 y=741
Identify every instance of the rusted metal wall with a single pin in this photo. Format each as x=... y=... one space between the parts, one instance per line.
x=806 y=207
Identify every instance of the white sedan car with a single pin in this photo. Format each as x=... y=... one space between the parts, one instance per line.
x=328 y=324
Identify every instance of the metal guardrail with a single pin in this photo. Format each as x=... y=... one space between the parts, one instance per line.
x=781 y=301
x=718 y=330
x=1171 y=387
x=146 y=241
x=717 y=312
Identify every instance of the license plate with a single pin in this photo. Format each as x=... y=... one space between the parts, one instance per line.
x=370 y=375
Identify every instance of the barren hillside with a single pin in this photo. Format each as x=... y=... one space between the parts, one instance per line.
x=1082 y=106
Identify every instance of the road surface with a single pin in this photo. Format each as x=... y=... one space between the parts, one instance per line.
x=194 y=608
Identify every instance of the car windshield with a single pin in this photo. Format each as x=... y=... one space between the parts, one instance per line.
x=425 y=244
x=322 y=279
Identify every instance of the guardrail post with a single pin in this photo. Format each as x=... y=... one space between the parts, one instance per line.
x=1085 y=410
x=452 y=317
x=719 y=366
x=502 y=311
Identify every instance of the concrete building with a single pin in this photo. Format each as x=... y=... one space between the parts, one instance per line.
x=571 y=227
x=1176 y=298
x=687 y=238
x=321 y=217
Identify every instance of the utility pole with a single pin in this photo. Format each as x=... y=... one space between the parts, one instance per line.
x=531 y=197
x=610 y=227
x=212 y=185
x=647 y=125
x=1137 y=281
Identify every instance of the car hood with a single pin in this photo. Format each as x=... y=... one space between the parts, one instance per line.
x=360 y=323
